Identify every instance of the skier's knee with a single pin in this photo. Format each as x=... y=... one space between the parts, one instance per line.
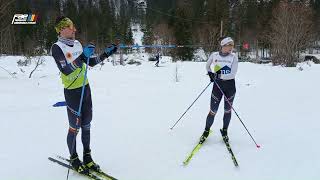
x=86 y=127
x=73 y=130
x=227 y=111
x=212 y=113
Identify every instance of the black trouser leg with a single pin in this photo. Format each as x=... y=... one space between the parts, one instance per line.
x=75 y=122
x=229 y=90
x=216 y=97
x=227 y=111
x=86 y=120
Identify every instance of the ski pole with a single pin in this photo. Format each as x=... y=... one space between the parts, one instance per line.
x=189 y=107
x=258 y=146
x=79 y=112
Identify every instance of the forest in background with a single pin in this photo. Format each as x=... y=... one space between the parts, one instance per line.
x=283 y=27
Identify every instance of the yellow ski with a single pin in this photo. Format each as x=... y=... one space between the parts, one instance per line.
x=194 y=151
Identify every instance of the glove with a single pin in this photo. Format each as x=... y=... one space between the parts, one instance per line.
x=213 y=76
x=111 y=49
x=88 y=50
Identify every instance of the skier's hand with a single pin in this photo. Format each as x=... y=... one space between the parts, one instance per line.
x=111 y=49
x=213 y=76
x=88 y=50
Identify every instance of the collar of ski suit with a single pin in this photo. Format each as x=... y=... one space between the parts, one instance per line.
x=223 y=54
x=69 y=42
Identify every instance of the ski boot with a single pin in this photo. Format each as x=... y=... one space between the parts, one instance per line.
x=204 y=136
x=77 y=165
x=89 y=163
x=224 y=134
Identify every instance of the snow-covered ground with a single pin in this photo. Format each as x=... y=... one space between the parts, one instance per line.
x=134 y=107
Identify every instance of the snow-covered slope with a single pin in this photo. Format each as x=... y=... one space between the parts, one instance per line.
x=134 y=107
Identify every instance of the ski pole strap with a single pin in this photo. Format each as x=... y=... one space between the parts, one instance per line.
x=74 y=111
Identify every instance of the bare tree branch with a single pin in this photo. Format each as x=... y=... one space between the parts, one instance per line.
x=3 y=7
x=11 y=74
x=291 y=32
x=40 y=61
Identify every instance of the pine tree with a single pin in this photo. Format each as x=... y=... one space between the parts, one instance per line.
x=315 y=4
x=183 y=35
x=24 y=33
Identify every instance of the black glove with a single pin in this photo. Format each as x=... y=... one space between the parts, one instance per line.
x=213 y=76
x=111 y=49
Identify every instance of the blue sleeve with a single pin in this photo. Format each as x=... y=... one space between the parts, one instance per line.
x=61 y=61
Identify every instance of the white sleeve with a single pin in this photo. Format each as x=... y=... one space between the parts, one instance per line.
x=209 y=62
x=234 y=66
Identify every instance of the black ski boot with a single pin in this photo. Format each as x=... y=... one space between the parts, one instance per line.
x=224 y=133
x=204 y=136
x=77 y=165
x=89 y=163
